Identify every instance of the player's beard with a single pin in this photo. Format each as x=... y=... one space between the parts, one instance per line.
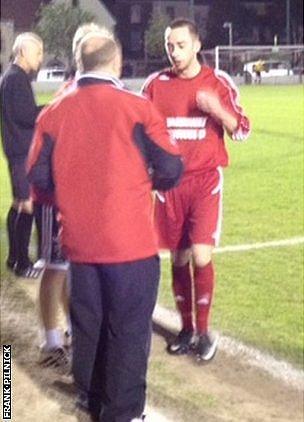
x=181 y=67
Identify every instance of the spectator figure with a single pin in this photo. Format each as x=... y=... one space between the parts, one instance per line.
x=19 y=112
x=258 y=68
x=102 y=149
x=74 y=73
x=55 y=350
x=198 y=104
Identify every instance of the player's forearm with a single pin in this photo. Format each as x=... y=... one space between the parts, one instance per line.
x=226 y=119
x=211 y=104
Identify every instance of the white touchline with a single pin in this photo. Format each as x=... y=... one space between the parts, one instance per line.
x=250 y=246
x=279 y=369
x=261 y=245
x=154 y=416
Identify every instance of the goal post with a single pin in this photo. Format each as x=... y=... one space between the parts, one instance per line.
x=238 y=60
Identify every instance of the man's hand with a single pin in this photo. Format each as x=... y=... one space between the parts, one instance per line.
x=210 y=103
x=24 y=205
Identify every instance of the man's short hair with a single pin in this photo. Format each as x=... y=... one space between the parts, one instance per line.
x=96 y=50
x=184 y=22
x=85 y=29
x=22 y=38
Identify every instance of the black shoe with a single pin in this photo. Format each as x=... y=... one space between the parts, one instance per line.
x=82 y=404
x=10 y=264
x=27 y=272
x=206 y=347
x=67 y=340
x=182 y=344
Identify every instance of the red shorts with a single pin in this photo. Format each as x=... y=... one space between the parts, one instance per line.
x=191 y=213
x=51 y=251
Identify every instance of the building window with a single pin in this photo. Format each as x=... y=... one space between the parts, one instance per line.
x=170 y=11
x=135 y=13
x=135 y=40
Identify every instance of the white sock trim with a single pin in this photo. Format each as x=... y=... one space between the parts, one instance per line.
x=53 y=339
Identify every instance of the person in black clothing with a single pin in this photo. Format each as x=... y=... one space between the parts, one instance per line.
x=18 y=113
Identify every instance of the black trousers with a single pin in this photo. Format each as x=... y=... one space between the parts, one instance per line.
x=111 y=313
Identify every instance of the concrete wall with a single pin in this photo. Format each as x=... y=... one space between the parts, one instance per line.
x=283 y=80
x=45 y=87
x=136 y=83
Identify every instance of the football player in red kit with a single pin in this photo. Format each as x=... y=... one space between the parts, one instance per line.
x=199 y=105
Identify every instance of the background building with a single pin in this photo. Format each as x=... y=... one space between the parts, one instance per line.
x=252 y=22
x=133 y=18
x=22 y=15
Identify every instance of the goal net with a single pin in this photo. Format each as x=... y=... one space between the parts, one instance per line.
x=277 y=60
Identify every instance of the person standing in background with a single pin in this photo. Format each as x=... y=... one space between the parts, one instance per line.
x=258 y=68
x=18 y=113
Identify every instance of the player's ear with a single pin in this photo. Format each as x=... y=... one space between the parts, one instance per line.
x=22 y=50
x=197 y=45
x=117 y=62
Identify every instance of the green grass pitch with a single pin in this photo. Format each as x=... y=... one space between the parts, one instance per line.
x=259 y=293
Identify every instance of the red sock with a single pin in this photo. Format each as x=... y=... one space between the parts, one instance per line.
x=182 y=288
x=204 y=280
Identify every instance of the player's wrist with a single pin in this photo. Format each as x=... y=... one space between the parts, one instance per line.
x=228 y=121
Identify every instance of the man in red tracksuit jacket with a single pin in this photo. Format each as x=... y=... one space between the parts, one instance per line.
x=102 y=150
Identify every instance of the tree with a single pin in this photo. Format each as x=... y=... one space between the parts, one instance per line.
x=154 y=35
x=57 y=25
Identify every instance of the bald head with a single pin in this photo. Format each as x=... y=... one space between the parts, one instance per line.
x=99 y=53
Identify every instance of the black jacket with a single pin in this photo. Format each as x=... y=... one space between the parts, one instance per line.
x=18 y=113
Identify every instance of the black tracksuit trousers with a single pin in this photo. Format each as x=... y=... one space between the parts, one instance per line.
x=111 y=312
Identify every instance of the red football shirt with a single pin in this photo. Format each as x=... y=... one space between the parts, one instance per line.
x=200 y=137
